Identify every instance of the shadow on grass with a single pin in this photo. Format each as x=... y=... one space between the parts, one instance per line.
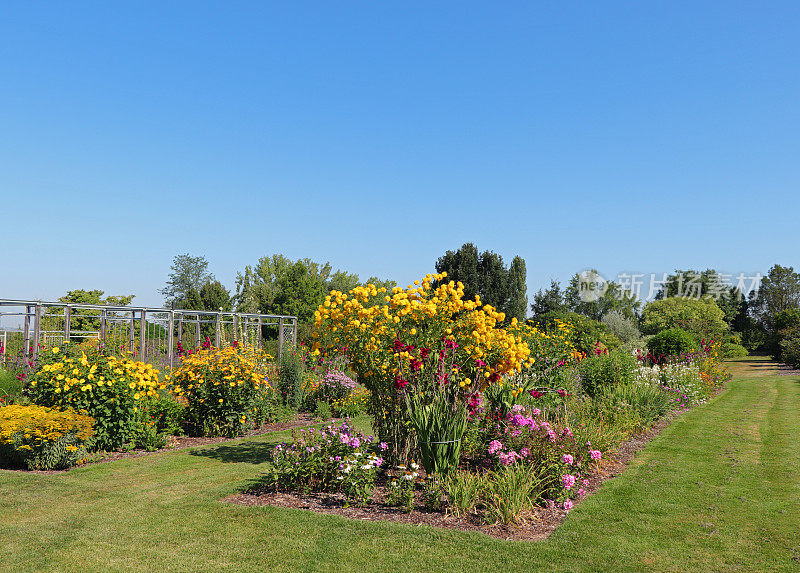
x=242 y=453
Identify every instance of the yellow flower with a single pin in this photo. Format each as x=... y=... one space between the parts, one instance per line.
x=55 y=350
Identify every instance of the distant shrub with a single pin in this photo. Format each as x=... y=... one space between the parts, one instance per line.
x=603 y=372
x=624 y=328
x=790 y=351
x=672 y=342
x=40 y=438
x=732 y=350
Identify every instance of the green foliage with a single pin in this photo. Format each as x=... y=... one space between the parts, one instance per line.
x=584 y=332
x=624 y=328
x=645 y=402
x=790 y=351
x=463 y=491
x=549 y=300
x=510 y=491
x=702 y=317
x=41 y=438
x=779 y=291
x=187 y=273
x=601 y=373
x=693 y=284
x=613 y=298
x=672 y=342
x=486 y=276
x=278 y=285
x=733 y=350
x=322 y=410
x=291 y=380
x=84 y=320
x=10 y=386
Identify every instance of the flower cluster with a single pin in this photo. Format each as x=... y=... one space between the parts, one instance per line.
x=108 y=388
x=524 y=437
x=332 y=459
x=223 y=388
x=397 y=338
x=42 y=438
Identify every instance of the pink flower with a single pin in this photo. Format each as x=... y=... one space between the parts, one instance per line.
x=567 y=459
x=585 y=482
x=568 y=480
x=568 y=504
x=525 y=452
x=508 y=459
x=494 y=445
x=355 y=442
x=581 y=491
x=383 y=446
x=596 y=455
x=536 y=412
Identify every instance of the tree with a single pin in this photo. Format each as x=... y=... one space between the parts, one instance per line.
x=613 y=298
x=702 y=317
x=693 y=284
x=187 y=272
x=214 y=296
x=487 y=277
x=550 y=300
x=87 y=320
x=779 y=290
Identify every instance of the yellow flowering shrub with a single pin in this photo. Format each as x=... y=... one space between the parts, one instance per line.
x=227 y=391
x=424 y=337
x=40 y=438
x=108 y=388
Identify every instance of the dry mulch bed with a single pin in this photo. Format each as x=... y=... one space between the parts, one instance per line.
x=533 y=527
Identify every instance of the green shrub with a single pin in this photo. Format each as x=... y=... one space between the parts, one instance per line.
x=10 y=386
x=463 y=491
x=292 y=380
x=731 y=350
x=790 y=351
x=322 y=410
x=510 y=491
x=583 y=332
x=40 y=438
x=646 y=402
x=672 y=342
x=604 y=371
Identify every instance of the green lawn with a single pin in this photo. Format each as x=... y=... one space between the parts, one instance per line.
x=718 y=490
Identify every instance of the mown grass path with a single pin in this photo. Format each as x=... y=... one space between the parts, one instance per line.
x=718 y=490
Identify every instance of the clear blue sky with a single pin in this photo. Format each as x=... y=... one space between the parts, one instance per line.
x=639 y=137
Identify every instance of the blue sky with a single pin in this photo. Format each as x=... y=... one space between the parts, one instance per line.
x=629 y=137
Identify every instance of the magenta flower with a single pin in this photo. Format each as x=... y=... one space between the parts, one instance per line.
x=525 y=452
x=567 y=459
x=596 y=455
x=568 y=504
x=383 y=446
x=494 y=445
x=568 y=480
x=355 y=442
x=581 y=491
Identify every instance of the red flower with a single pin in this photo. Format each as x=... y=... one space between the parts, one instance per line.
x=399 y=383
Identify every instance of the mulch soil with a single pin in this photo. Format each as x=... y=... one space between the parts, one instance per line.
x=536 y=525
